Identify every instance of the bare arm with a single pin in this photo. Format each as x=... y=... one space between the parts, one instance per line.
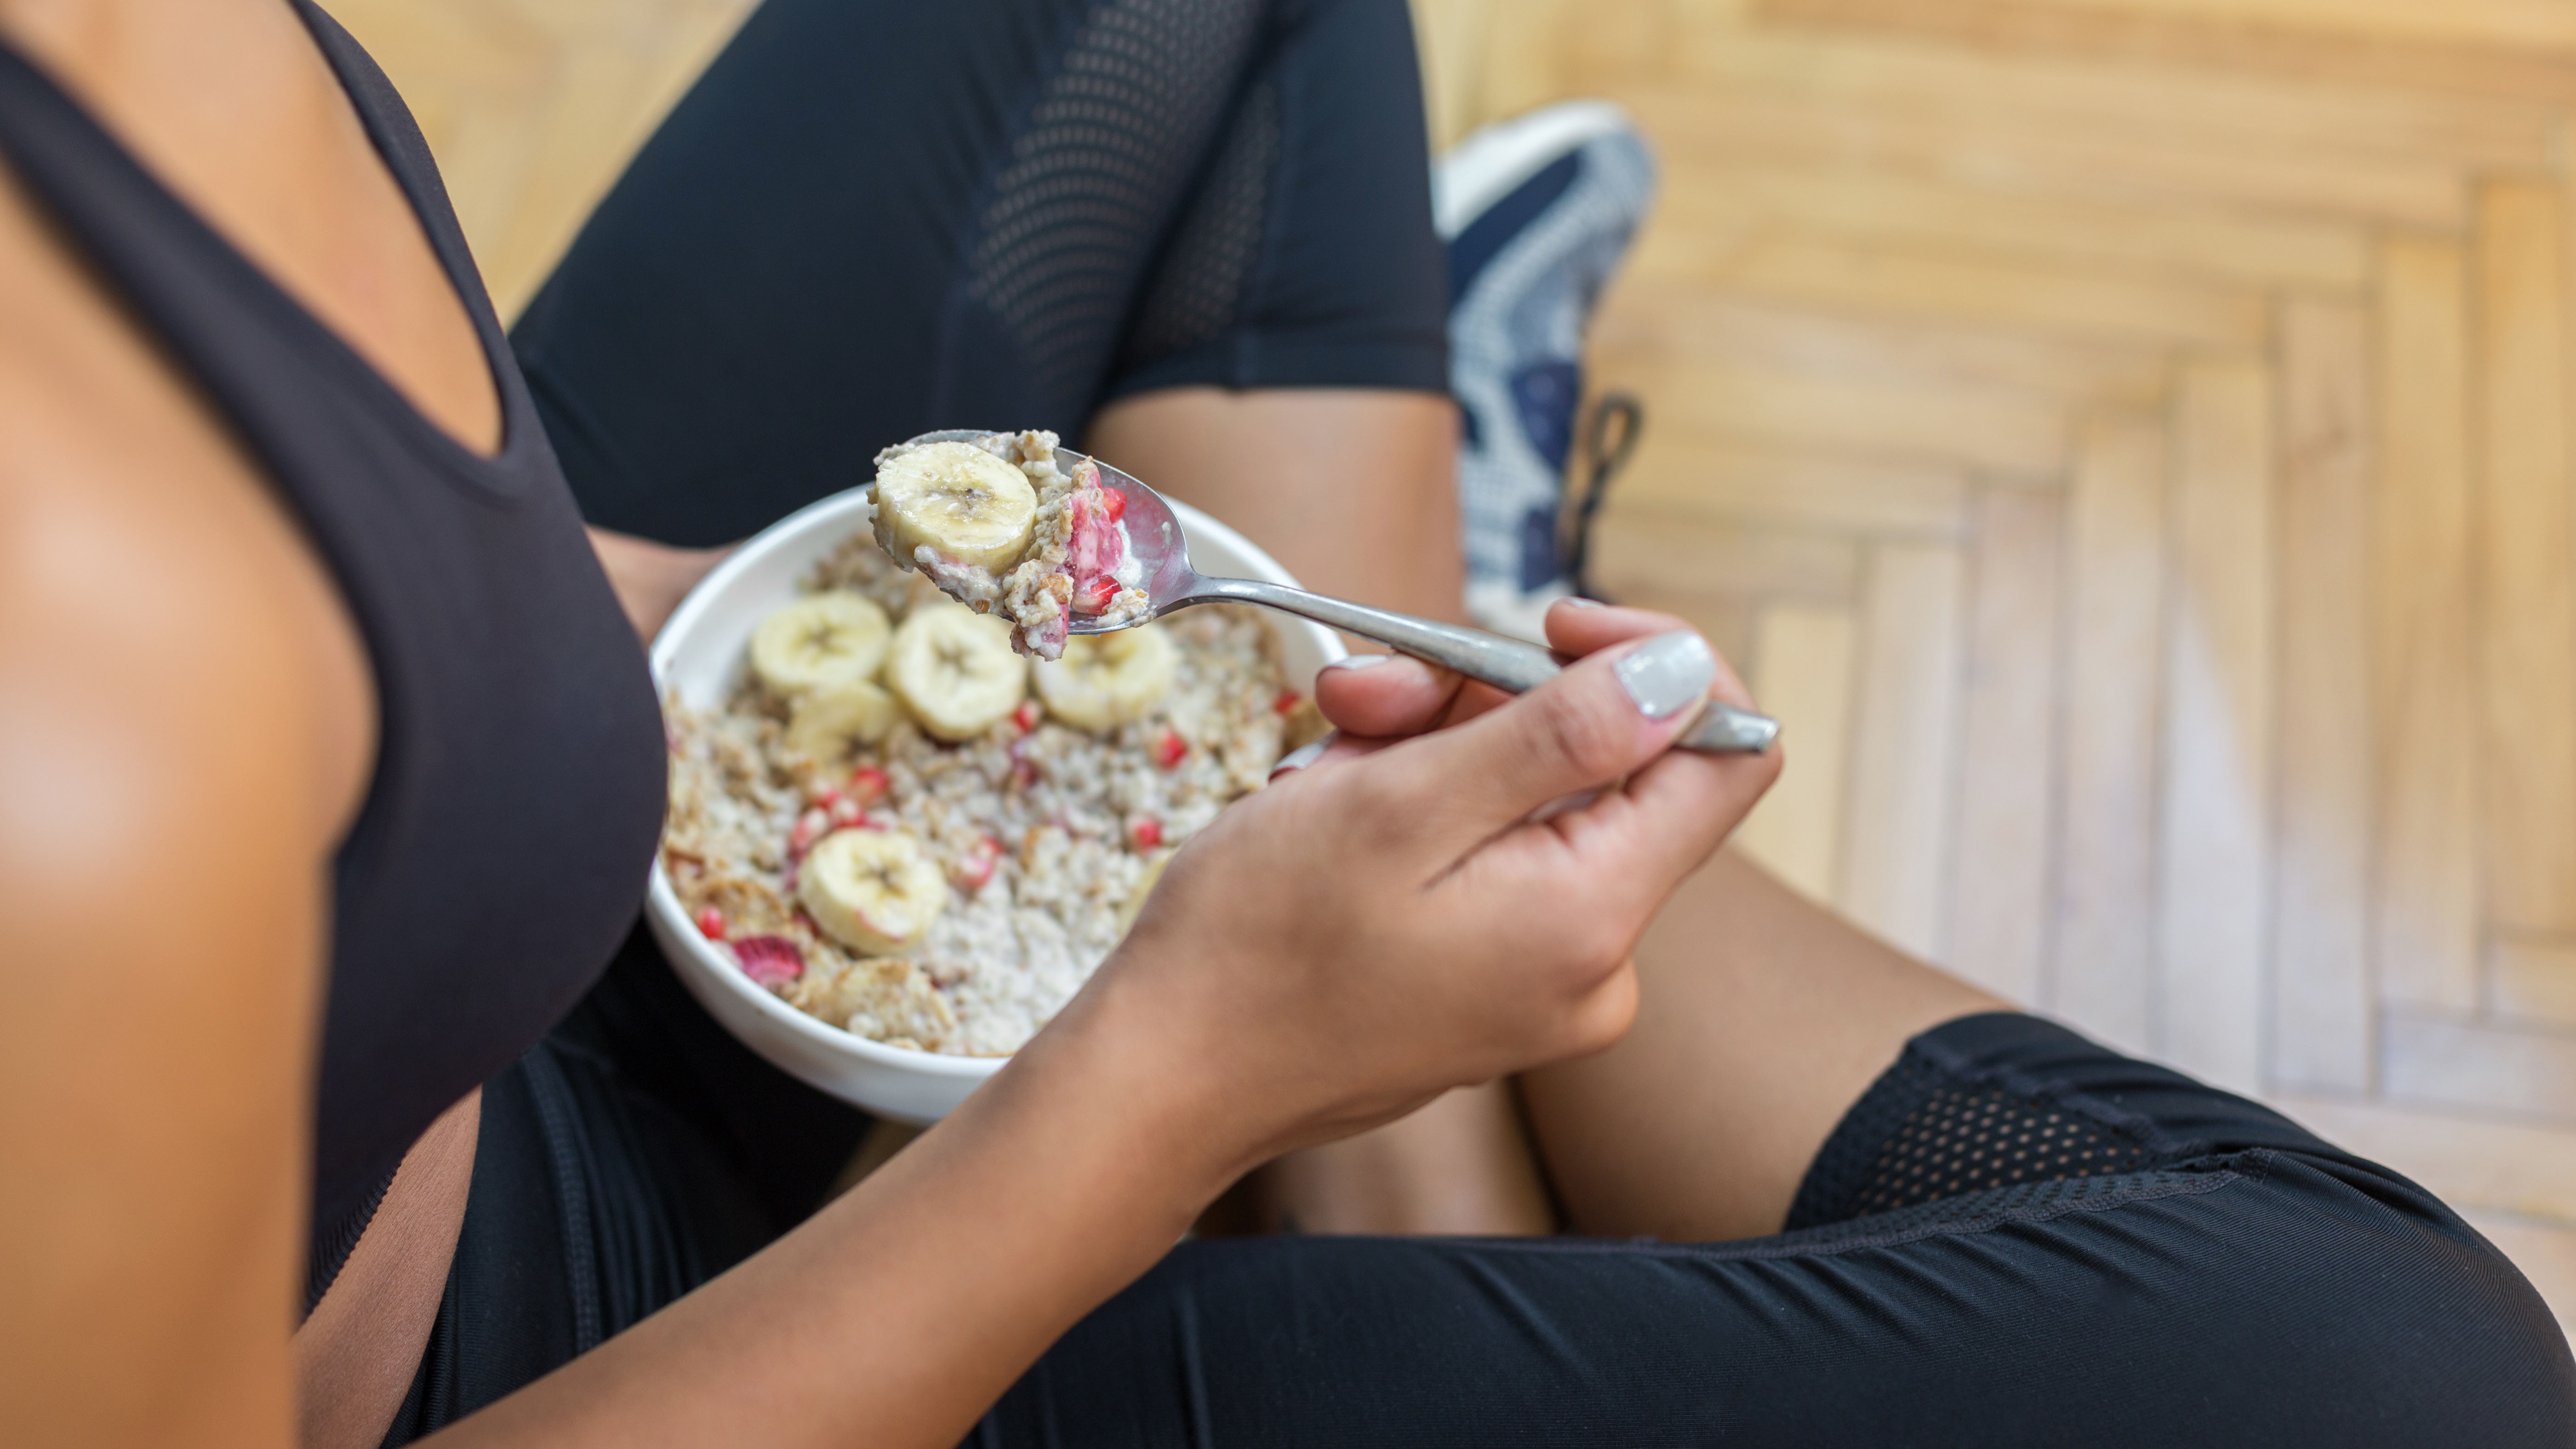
x=184 y=728
x=650 y=578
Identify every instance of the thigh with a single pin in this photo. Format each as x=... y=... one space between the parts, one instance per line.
x=2215 y=1276
x=867 y=219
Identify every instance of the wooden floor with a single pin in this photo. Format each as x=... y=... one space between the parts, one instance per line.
x=2129 y=443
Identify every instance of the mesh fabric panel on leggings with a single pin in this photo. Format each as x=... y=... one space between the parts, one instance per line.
x=1092 y=182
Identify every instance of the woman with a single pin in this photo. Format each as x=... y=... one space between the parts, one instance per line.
x=325 y=744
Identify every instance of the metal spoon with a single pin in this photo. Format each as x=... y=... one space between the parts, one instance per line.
x=1154 y=537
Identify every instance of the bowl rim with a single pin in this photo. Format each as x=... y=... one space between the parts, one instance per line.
x=662 y=899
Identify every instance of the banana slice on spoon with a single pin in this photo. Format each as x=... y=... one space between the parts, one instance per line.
x=953 y=506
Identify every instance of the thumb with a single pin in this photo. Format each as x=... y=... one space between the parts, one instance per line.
x=1603 y=717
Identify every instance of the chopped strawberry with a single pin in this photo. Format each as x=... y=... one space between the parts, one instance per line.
x=868 y=785
x=711 y=924
x=771 y=961
x=1092 y=596
x=1097 y=548
x=1027 y=716
x=1144 y=832
x=1169 y=748
x=1116 y=507
x=1287 y=702
x=826 y=800
x=811 y=826
x=976 y=870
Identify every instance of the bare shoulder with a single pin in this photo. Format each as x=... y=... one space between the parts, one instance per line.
x=184 y=725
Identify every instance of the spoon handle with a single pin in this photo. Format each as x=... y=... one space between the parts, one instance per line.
x=1506 y=664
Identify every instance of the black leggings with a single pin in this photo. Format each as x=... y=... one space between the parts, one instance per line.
x=872 y=219
x=2014 y=1237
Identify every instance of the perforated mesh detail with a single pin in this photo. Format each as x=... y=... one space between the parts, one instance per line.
x=1117 y=133
x=1199 y=287
x=1925 y=1132
x=2031 y=1202
x=1967 y=1140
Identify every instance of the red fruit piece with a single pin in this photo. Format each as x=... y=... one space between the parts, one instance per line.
x=1169 y=748
x=1027 y=716
x=1115 y=506
x=811 y=826
x=1144 y=832
x=868 y=785
x=1096 y=548
x=1092 y=596
x=711 y=924
x=976 y=870
x=1287 y=702
x=769 y=960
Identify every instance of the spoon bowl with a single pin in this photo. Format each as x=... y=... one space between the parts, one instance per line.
x=1155 y=541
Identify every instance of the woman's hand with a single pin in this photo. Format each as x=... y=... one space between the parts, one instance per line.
x=1392 y=922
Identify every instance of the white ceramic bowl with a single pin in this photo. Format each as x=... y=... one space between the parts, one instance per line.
x=700 y=653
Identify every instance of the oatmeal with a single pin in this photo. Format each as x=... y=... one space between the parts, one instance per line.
x=999 y=525
x=903 y=828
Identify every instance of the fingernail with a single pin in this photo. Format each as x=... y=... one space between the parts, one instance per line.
x=1361 y=661
x=1577 y=601
x=1667 y=674
x=1305 y=754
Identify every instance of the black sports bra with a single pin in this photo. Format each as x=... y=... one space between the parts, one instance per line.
x=518 y=789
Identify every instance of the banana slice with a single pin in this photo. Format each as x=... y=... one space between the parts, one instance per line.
x=822 y=639
x=1106 y=680
x=874 y=891
x=825 y=725
x=957 y=500
x=954 y=669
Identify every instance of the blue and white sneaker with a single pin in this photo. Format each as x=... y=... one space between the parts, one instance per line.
x=1536 y=212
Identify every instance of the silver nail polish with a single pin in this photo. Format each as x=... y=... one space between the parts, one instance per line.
x=1304 y=755
x=1667 y=674
x=1361 y=661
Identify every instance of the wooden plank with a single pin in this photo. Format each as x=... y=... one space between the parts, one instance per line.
x=1895 y=877
x=2465 y=66
x=2322 y=1001
x=2467 y=1160
x=1732 y=199
x=2525 y=617
x=1725 y=620
x=1802 y=675
x=2544 y=1249
x=1640 y=550
x=1999 y=891
x=2446 y=1061
x=1646 y=319
x=2467 y=132
x=1994 y=291
x=2000 y=430
x=2533 y=980
x=1734 y=483
x=1707 y=124
x=2537 y=24
x=2213 y=828
x=2425 y=927
x=2101 y=953
x=534 y=110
